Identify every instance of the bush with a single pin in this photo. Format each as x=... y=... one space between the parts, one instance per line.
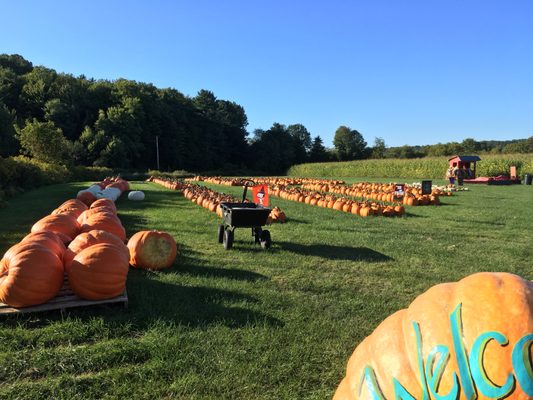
x=419 y=168
x=18 y=174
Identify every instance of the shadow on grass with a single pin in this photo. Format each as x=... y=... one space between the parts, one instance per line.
x=335 y=252
x=153 y=301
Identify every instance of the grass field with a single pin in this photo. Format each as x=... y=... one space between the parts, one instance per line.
x=245 y=323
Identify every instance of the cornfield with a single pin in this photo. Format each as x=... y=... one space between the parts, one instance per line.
x=420 y=168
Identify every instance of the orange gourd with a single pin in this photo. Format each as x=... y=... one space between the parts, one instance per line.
x=152 y=250
x=468 y=339
x=31 y=275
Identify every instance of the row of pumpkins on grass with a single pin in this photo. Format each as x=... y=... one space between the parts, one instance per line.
x=219 y=180
x=365 y=190
x=361 y=208
x=211 y=199
x=382 y=192
x=83 y=239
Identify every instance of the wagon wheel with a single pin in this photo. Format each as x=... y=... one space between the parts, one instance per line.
x=220 y=233
x=266 y=241
x=228 y=239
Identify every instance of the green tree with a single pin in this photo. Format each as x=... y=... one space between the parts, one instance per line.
x=8 y=142
x=350 y=144
x=378 y=151
x=43 y=141
x=469 y=145
x=317 y=153
x=301 y=142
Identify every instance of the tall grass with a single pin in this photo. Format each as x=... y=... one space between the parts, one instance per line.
x=420 y=168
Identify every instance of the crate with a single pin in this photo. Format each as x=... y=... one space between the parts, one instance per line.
x=64 y=299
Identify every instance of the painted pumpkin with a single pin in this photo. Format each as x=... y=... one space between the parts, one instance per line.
x=91 y=238
x=466 y=340
x=31 y=275
x=152 y=250
x=98 y=272
x=60 y=223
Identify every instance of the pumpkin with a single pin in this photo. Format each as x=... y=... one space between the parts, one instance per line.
x=152 y=250
x=64 y=224
x=86 y=197
x=136 y=195
x=31 y=275
x=104 y=203
x=84 y=216
x=465 y=340
x=105 y=222
x=91 y=238
x=98 y=272
x=73 y=207
x=49 y=240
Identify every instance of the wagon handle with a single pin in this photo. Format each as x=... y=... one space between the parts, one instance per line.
x=245 y=181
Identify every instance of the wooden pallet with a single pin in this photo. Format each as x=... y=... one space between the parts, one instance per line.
x=64 y=299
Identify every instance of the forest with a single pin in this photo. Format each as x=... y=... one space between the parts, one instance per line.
x=62 y=119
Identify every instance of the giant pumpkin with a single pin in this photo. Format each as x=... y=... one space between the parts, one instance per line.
x=152 y=250
x=63 y=224
x=30 y=275
x=98 y=272
x=91 y=238
x=105 y=203
x=105 y=222
x=466 y=340
x=48 y=239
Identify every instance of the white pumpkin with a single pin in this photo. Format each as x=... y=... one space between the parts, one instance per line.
x=136 y=195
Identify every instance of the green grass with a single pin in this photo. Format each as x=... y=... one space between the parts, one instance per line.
x=249 y=324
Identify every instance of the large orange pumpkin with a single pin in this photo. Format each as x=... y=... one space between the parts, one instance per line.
x=152 y=250
x=98 y=272
x=84 y=216
x=104 y=203
x=105 y=222
x=64 y=224
x=31 y=275
x=49 y=240
x=465 y=340
x=73 y=207
x=91 y=238
x=86 y=197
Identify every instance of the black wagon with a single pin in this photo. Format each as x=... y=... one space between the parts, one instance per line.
x=244 y=215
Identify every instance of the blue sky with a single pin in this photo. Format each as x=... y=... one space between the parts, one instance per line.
x=411 y=72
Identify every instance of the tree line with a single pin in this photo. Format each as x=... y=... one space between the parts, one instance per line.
x=59 y=118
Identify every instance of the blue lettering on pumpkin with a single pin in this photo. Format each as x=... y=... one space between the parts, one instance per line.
x=483 y=382
x=434 y=375
x=369 y=376
x=418 y=336
x=460 y=354
x=522 y=363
